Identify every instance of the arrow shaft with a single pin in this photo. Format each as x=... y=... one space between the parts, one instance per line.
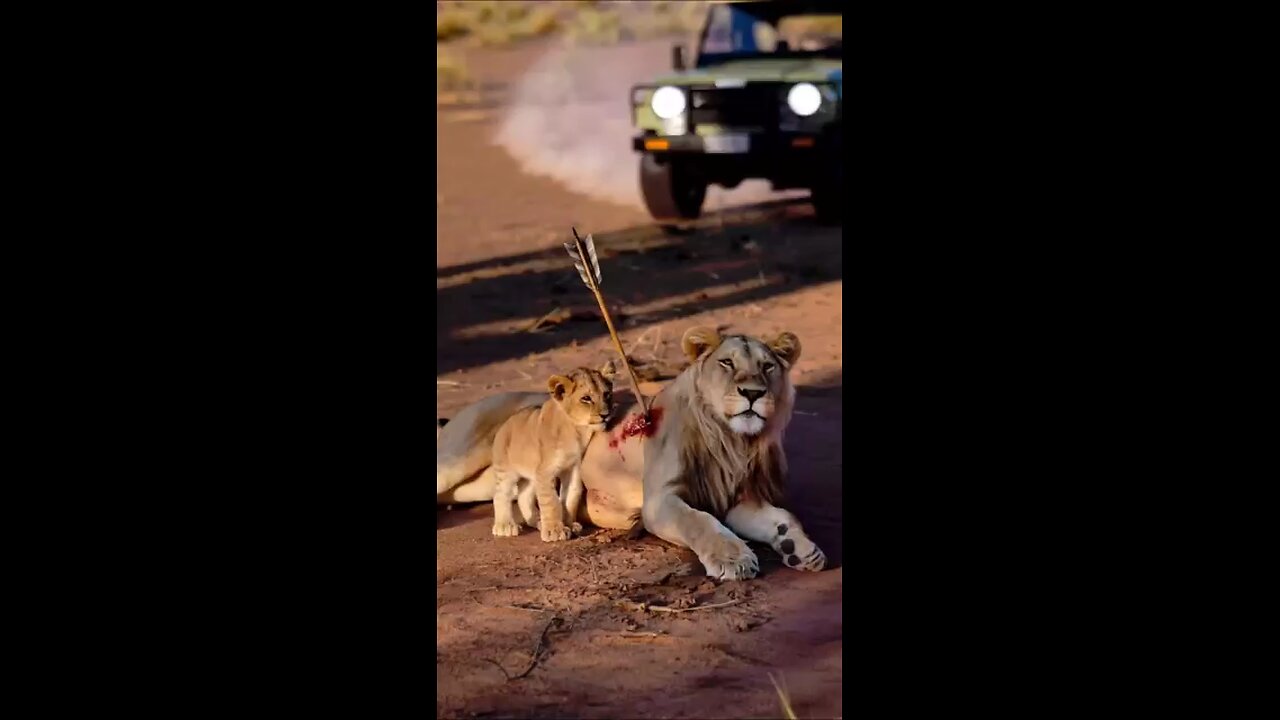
x=608 y=321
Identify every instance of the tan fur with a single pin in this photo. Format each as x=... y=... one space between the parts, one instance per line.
x=464 y=446
x=699 y=481
x=546 y=443
x=708 y=465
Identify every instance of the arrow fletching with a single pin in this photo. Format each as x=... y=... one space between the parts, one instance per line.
x=578 y=263
x=576 y=250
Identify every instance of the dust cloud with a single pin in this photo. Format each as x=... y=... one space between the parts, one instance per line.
x=569 y=119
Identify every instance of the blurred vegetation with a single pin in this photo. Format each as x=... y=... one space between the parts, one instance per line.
x=812 y=25
x=451 y=73
x=500 y=23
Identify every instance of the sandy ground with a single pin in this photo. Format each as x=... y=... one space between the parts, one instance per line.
x=529 y=629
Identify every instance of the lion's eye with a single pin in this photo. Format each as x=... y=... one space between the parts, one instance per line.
x=768 y=367
x=727 y=364
x=586 y=399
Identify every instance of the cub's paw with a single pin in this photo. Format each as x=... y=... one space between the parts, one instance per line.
x=576 y=528
x=554 y=534
x=730 y=559
x=811 y=558
x=506 y=529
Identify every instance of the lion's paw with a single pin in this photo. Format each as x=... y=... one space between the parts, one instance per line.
x=506 y=529
x=730 y=561
x=814 y=560
x=576 y=528
x=554 y=534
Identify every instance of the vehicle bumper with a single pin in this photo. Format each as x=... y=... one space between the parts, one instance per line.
x=787 y=160
x=761 y=144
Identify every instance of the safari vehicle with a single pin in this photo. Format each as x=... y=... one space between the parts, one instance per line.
x=763 y=99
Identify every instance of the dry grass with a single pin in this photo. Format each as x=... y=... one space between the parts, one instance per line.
x=670 y=18
x=498 y=24
x=452 y=23
x=795 y=29
x=787 y=712
x=451 y=72
x=595 y=27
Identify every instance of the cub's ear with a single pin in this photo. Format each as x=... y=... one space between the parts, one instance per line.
x=699 y=340
x=608 y=370
x=787 y=347
x=558 y=385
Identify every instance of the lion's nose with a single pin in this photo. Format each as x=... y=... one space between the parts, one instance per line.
x=750 y=395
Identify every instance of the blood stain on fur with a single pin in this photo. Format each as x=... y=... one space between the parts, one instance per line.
x=636 y=426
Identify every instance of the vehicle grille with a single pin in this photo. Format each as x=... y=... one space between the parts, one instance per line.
x=754 y=105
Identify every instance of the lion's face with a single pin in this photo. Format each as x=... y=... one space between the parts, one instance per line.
x=585 y=395
x=743 y=380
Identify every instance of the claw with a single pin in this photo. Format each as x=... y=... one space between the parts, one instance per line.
x=550 y=534
x=506 y=529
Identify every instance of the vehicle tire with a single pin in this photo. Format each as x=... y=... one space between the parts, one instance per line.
x=672 y=191
x=828 y=200
x=828 y=192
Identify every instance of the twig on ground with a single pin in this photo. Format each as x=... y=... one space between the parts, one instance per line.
x=534 y=657
x=538 y=323
x=719 y=647
x=449 y=382
x=630 y=634
x=528 y=609
x=537 y=649
x=664 y=608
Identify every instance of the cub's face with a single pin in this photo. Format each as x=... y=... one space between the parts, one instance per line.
x=585 y=395
x=743 y=380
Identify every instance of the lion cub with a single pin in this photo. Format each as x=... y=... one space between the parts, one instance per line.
x=541 y=444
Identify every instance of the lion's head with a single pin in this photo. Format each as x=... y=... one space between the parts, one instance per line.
x=734 y=402
x=585 y=395
x=745 y=382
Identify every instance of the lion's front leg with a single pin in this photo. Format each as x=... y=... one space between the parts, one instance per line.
x=724 y=555
x=572 y=497
x=551 y=514
x=504 y=494
x=769 y=524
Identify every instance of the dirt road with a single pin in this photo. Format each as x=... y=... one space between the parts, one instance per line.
x=530 y=629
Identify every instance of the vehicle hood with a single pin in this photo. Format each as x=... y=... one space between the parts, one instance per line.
x=759 y=70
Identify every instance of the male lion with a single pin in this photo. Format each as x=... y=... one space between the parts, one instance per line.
x=709 y=464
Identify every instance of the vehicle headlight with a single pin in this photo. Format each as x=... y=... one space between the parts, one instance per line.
x=667 y=102
x=803 y=99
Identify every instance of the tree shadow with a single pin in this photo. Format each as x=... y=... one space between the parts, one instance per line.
x=485 y=310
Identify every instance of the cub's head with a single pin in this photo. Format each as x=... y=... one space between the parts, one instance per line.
x=743 y=381
x=585 y=395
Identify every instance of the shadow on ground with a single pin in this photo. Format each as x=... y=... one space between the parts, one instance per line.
x=485 y=310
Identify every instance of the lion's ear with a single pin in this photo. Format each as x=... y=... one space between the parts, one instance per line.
x=699 y=340
x=608 y=370
x=558 y=385
x=787 y=347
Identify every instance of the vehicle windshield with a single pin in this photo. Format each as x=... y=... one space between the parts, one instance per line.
x=769 y=29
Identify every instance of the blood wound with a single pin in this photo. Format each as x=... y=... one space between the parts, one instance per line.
x=637 y=426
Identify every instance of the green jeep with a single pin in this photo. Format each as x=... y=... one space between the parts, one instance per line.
x=762 y=100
